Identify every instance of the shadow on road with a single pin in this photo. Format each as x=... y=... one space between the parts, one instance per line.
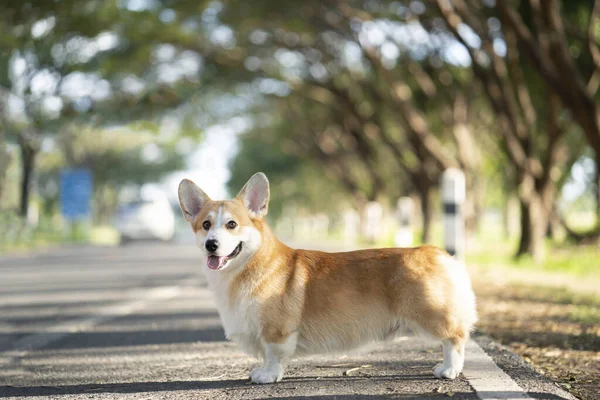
x=485 y=395
x=96 y=285
x=132 y=318
x=128 y=338
x=232 y=385
x=75 y=304
x=561 y=340
x=136 y=387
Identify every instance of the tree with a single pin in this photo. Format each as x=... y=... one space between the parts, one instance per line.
x=4 y=156
x=549 y=35
x=298 y=181
x=532 y=135
x=89 y=61
x=30 y=75
x=408 y=100
x=381 y=110
x=115 y=158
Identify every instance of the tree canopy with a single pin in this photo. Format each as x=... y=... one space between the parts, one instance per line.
x=369 y=99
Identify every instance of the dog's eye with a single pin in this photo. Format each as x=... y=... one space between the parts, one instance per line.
x=206 y=225
x=231 y=225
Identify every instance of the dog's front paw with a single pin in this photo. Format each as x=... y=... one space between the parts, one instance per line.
x=443 y=372
x=266 y=375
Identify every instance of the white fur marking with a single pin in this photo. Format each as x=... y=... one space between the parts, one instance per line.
x=464 y=299
x=239 y=320
x=453 y=362
x=277 y=355
x=227 y=241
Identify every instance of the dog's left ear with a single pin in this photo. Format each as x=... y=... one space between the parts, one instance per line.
x=255 y=195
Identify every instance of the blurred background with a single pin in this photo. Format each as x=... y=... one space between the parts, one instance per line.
x=106 y=105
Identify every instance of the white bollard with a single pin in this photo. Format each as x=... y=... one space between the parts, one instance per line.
x=351 y=226
x=453 y=197
x=373 y=214
x=404 y=213
x=33 y=215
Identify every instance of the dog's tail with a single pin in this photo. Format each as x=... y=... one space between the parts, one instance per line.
x=463 y=299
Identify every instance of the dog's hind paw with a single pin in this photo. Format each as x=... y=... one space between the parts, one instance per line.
x=266 y=375
x=443 y=372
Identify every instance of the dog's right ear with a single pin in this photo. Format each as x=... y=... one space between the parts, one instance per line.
x=191 y=199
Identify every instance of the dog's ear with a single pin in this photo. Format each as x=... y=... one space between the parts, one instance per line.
x=191 y=199
x=255 y=195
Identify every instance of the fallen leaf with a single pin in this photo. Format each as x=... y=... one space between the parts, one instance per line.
x=566 y=385
x=351 y=370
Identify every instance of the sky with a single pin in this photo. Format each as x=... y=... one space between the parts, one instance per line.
x=208 y=164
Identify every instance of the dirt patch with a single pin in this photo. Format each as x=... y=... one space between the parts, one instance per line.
x=555 y=330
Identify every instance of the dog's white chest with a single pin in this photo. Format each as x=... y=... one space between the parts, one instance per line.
x=240 y=319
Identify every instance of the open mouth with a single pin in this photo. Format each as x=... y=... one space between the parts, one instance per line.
x=216 y=262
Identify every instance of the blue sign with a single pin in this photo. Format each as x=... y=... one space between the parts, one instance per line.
x=75 y=193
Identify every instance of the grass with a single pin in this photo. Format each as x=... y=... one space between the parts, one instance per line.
x=16 y=236
x=104 y=236
x=578 y=260
x=555 y=295
x=555 y=329
x=585 y=306
x=584 y=314
x=490 y=249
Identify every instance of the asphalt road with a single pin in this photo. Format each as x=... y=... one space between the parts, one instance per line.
x=138 y=322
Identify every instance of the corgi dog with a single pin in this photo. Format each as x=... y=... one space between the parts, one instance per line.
x=277 y=302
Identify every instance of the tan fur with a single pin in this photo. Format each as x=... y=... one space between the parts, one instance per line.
x=317 y=292
x=337 y=301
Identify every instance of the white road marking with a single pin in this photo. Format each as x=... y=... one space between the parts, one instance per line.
x=488 y=380
x=56 y=332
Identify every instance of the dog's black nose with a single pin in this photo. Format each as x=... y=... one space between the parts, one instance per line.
x=212 y=245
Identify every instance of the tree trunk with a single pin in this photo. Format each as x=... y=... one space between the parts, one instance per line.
x=597 y=191
x=4 y=161
x=555 y=231
x=472 y=207
x=427 y=209
x=534 y=222
x=27 y=166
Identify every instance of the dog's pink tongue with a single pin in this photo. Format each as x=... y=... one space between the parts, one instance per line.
x=214 y=262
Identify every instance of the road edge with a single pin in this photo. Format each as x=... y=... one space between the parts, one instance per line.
x=534 y=384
